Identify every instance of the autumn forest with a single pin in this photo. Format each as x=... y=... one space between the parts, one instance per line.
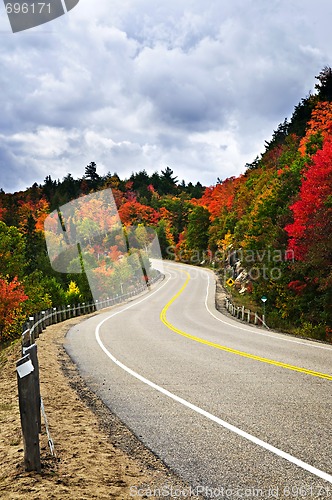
x=269 y=229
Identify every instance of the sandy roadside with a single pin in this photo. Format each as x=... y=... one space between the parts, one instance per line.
x=97 y=456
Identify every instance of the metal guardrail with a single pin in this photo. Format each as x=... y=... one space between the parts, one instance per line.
x=40 y=321
x=240 y=312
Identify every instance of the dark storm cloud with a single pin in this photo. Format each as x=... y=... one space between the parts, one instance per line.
x=13 y=171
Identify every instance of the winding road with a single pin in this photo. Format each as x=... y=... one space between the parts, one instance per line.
x=236 y=411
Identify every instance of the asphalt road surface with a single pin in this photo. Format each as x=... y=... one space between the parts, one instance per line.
x=236 y=411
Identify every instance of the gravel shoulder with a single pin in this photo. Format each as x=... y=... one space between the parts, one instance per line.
x=96 y=455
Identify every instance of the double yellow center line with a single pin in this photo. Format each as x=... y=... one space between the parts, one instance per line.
x=286 y=366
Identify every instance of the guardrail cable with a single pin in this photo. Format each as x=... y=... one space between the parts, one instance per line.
x=50 y=440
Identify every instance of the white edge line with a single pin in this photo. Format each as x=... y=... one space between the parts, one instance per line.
x=299 y=463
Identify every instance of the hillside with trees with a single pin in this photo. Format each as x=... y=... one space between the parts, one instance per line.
x=268 y=229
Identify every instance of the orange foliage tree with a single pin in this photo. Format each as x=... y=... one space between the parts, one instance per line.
x=39 y=210
x=133 y=212
x=319 y=128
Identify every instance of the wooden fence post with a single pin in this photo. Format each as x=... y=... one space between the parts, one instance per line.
x=46 y=318
x=32 y=351
x=43 y=320
x=49 y=317
x=26 y=339
x=39 y=327
x=29 y=419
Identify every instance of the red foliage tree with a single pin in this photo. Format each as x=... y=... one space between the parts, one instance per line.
x=220 y=197
x=12 y=297
x=133 y=212
x=310 y=233
x=2 y=212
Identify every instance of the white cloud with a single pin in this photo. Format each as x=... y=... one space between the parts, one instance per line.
x=46 y=142
x=140 y=84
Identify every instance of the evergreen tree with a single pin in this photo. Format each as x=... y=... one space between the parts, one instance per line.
x=49 y=189
x=140 y=183
x=167 y=181
x=324 y=87
x=69 y=189
x=92 y=176
x=301 y=116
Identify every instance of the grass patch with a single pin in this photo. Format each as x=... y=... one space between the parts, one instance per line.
x=311 y=331
x=245 y=300
x=7 y=350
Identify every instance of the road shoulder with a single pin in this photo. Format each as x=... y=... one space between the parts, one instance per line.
x=97 y=455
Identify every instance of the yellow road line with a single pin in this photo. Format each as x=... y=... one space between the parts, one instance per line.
x=228 y=349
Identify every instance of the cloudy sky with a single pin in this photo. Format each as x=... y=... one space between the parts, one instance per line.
x=196 y=85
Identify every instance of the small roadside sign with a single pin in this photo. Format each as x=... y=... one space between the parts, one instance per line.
x=230 y=282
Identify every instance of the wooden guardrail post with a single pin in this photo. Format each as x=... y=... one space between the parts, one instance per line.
x=32 y=332
x=49 y=317
x=38 y=329
x=55 y=316
x=244 y=314
x=32 y=351
x=43 y=320
x=46 y=318
x=29 y=419
x=26 y=339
